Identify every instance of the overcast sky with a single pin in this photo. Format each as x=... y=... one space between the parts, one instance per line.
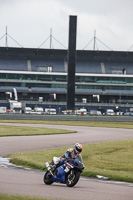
x=29 y=22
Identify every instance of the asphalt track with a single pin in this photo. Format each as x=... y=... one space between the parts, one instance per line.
x=30 y=183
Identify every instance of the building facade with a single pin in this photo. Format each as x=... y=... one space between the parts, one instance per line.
x=101 y=76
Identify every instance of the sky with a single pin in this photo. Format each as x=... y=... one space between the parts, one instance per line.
x=31 y=22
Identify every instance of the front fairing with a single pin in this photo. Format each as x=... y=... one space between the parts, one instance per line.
x=61 y=175
x=78 y=163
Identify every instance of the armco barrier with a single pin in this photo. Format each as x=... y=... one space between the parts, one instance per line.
x=65 y=117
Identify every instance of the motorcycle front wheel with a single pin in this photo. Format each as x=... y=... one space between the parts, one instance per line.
x=72 y=178
x=47 y=178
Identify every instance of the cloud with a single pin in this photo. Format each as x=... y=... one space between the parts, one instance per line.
x=29 y=22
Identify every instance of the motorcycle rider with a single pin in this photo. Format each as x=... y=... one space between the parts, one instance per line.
x=70 y=154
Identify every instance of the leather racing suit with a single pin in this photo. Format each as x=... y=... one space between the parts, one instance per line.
x=70 y=153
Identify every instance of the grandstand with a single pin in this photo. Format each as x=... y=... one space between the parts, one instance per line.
x=101 y=76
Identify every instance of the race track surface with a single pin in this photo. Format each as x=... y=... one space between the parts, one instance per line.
x=29 y=183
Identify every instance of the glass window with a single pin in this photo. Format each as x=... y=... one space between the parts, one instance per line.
x=44 y=77
x=129 y=88
x=2 y=76
x=77 y=78
x=10 y=76
x=86 y=86
x=103 y=79
x=59 y=85
x=118 y=80
x=13 y=84
x=129 y=80
x=88 y=79
x=38 y=85
x=13 y=76
x=59 y=78
x=2 y=84
x=28 y=76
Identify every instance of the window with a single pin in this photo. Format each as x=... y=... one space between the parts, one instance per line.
x=28 y=76
x=129 y=80
x=87 y=79
x=44 y=77
x=2 y=76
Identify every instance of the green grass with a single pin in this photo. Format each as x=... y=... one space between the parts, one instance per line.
x=111 y=159
x=26 y=131
x=13 y=197
x=128 y=125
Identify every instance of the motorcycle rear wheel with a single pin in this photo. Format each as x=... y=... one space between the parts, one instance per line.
x=47 y=178
x=72 y=178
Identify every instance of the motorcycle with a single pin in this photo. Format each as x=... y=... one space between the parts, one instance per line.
x=68 y=173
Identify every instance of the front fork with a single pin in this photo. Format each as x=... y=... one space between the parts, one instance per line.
x=49 y=168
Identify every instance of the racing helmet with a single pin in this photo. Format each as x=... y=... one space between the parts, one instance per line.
x=78 y=148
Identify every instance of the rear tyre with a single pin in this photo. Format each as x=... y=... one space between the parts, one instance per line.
x=47 y=178
x=72 y=178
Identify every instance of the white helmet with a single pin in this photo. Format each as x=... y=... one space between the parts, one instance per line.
x=78 y=148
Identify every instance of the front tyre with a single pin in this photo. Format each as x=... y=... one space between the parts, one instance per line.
x=72 y=178
x=47 y=178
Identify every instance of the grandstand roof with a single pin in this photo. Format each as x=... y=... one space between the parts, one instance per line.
x=30 y=53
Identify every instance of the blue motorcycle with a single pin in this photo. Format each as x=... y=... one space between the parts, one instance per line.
x=68 y=173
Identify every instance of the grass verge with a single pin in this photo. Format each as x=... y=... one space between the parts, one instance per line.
x=111 y=159
x=12 y=197
x=26 y=131
x=128 y=125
